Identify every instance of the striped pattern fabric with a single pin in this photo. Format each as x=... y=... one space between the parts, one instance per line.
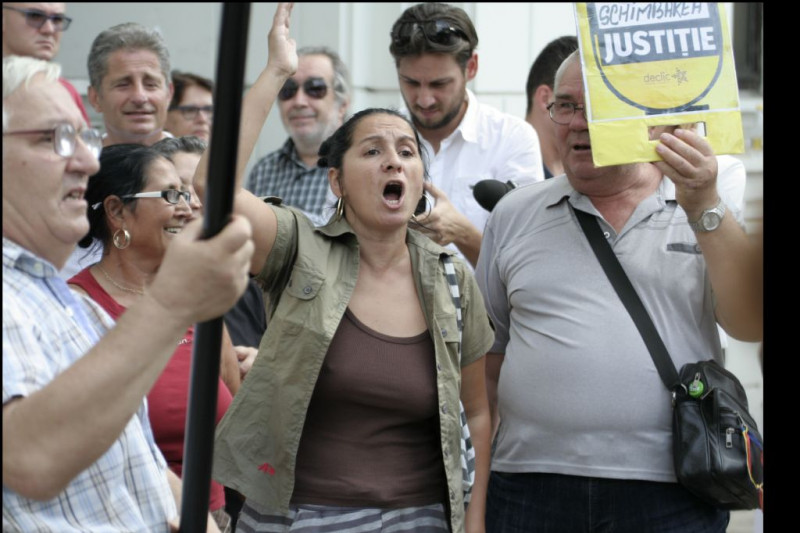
x=46 y=328
x=328 y=519
x=281 y=173
x=467 y=451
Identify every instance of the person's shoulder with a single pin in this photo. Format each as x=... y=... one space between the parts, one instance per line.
x=270 y=157
x=528 y=199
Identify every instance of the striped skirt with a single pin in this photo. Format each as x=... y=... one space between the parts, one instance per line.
x=327 y=519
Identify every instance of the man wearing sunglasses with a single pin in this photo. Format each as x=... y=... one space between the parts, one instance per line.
x=34 y=29
x=433 y=46
x=312 y=104
x=78 y=449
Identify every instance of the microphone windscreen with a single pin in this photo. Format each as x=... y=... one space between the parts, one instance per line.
x=488 y=192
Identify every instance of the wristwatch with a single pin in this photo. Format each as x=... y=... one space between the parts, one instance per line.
x=710 y=219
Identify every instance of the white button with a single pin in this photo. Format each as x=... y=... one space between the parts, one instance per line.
x=606 y=234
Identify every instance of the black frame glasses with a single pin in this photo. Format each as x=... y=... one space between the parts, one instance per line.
x=65 y=139
x=436 y=31
x=314 y=87
x=189 y=112
x=173 y=196
x=563 y=112
x=36 y=19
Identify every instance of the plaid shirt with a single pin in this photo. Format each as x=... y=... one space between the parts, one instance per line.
x=282 y=173
x=46 y=328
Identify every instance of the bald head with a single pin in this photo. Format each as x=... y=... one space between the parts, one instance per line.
x=574 y=57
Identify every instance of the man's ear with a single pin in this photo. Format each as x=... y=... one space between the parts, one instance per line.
x=472 y=66
x=542 y=97
x=94 y=98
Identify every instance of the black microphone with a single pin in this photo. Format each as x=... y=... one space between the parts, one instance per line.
x=488 y=192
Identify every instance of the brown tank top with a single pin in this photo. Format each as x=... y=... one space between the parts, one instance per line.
x=371 y=435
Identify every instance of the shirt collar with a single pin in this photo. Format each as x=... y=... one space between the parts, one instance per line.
x=339 y=226
x=15 y=256
x=469 y=122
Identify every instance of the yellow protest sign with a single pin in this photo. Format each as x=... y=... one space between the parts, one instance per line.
x=656 y=64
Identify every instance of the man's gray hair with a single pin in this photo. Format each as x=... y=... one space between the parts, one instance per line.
x=573 y=57
x=18 y=70
x=127 y=36
x=341 y=76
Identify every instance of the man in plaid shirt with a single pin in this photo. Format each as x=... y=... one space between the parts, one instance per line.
x=313 y=104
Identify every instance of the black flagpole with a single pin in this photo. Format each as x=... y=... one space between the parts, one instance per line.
x=218 y=203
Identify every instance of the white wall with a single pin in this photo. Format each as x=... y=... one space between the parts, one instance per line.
x=511 y=35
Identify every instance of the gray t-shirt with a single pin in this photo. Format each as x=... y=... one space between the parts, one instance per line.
x=578 y=392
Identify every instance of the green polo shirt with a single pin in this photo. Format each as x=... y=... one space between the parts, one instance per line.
x=310 y=276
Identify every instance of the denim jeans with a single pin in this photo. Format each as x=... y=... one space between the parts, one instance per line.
x=554 y=503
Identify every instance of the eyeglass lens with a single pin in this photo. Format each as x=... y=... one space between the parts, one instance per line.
x=36 y=19
x=65 y=140
x=562 y=112
x=189 y=112
x=174 y=196
x=314 y=87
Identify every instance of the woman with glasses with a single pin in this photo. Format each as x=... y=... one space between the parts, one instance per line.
x=349 y=418
x=191 y=110
x=137 y=204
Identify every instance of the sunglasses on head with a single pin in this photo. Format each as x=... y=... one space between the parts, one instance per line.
x=436 y=31
x=314 y=87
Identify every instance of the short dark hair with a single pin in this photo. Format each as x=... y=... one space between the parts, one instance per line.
x=419 y=44
x=172 y=145
x=543 y=70
x=182 y=80
x=331 y=152
x=123 y=171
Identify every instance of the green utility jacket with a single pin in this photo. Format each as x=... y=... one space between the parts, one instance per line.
x=311 y=273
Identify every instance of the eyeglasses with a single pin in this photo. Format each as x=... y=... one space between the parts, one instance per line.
x=172 y=196
x=189 y=112
x=37 y=19
x=314 y=87
x=65 y=139
x=562 y=112
x=436 y=31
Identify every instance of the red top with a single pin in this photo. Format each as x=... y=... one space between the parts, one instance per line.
x=78 y=100
x=168 y=399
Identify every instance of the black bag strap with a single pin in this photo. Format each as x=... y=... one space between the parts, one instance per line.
x=616 y=274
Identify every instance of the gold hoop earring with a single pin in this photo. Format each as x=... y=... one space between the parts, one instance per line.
x=123 y=240
x=340 y=207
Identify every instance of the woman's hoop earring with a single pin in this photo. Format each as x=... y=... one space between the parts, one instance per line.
x=122 y=240
x=340 y=207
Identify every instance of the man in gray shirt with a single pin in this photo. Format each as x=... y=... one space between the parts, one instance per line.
x=584 y=433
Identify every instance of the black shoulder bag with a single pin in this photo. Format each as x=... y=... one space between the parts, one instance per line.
x=716 y=447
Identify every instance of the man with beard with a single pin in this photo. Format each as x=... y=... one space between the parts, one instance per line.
x=313 y=104
x=433 y=46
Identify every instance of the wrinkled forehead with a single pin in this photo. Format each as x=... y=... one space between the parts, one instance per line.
x=133 y=62
x=382 y=125
x=41 y=103
x=314 y=65
x=569 y=80
x=51 y=8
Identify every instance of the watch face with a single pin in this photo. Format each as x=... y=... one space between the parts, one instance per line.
x=710 y=221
